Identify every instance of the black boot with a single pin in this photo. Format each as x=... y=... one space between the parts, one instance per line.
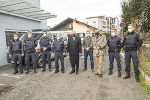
x=15 y=72
x=96 y=74
x=92 y=69
x=84 y=69
x=72 y=72
x=127 y=76
x=21 y=72
x=35 y=71
x=43 y=70
x=137 y=78
x=56 y=71
x=27 y=71
x=77 y=72
x=63 y=72
x=119 y=74
x=100 y=75
x=50 y=69
x=110 y=72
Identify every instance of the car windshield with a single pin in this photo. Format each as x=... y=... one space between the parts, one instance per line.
x=37 y=36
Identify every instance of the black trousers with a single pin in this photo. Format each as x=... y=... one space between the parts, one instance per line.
x=46 y=56
x=59 y=56
x=116 y=56
x=74 y=60
x=134 y=56
x=27 y=60
x=17 y=57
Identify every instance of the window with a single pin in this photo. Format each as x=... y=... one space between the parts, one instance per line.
x=104 y=26
x=81 y=35
x=113 y=20
x=94 y=22
x=104 y=23
x=113 y=26
x=93 y=34
x=37 y=36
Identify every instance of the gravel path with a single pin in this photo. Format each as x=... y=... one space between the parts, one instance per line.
x=84 y=86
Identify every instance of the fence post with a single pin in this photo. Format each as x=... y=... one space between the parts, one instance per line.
x=143 y=60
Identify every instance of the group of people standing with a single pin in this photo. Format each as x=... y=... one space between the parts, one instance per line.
x=93 y=46
x=17 y=50
x=97 y=46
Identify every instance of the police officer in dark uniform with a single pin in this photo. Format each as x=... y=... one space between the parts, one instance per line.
x=29 y=48
x=16 y=53
x=59 y=49
x=45 y=44
x=132 y=42
x=114 y=44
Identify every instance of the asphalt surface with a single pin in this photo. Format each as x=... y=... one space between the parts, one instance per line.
x=84 y=86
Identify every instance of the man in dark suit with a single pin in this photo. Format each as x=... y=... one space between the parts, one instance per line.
x=74 y=50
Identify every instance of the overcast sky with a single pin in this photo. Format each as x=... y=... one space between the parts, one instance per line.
x=80 y=9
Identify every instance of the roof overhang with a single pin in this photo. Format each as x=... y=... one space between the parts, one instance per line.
x=21 y=8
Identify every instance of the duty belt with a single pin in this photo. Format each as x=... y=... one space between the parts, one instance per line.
x=58 y=51
x=130 y=49
x=16 y=52
x=114 y=51
x=30 y=51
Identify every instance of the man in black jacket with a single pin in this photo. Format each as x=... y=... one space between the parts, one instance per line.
x=16 y=53
x=114 y=44
x=45 y=44
x=29 y=48
x=131 y=43
x=59 y=51
x=75 y=50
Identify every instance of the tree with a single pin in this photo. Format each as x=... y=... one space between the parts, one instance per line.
x=136 y=12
